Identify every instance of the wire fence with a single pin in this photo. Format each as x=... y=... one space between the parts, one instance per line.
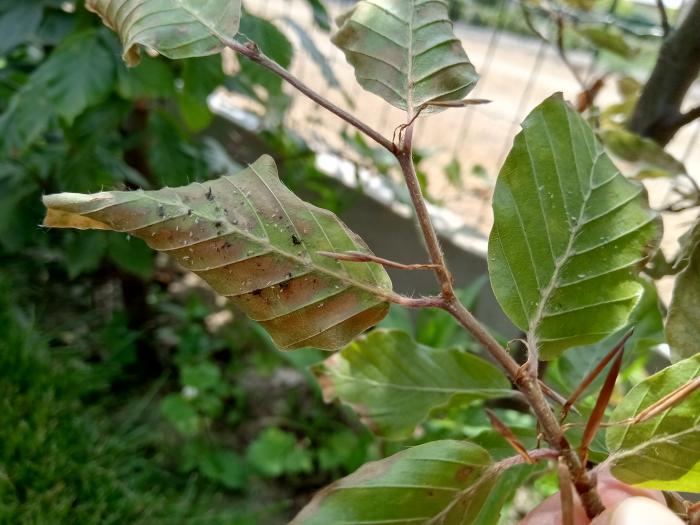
x=517 y=72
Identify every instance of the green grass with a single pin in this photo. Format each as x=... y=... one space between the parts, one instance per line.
x=67 y=460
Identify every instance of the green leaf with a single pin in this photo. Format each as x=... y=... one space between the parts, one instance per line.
x=662 y=453
x=19 y=23
x=131 y=255
x=174 y=28
x=321 y=17
x=570 y=369
x=442 y=482
x=152 y=79
x=394 y=384
x=683 y=322
x=275 y=452
x=453 y=172
x=254 y=241
x=224 y=466
x=77 y=75
x=181 y=414
x=200 y=77
x=607 y=38
x=406 y=52
x=437 y=328
x=202 y=376
x=570 y=234
x=83 y=253
x=171 y=157
x=646 y=154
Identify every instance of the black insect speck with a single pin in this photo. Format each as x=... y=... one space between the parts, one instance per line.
x=295 y=240
x=209 y=194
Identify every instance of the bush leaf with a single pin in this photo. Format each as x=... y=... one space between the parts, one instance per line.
x=394 y=383
x=254 y=241
x=683 y=322
x=570 y=234
x=441 y=483
x=663 y=452
x=174 y=28
x=406 y=52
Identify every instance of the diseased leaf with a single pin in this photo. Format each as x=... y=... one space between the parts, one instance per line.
x=438 y=483
x=570 y=234
x=683 y=322
x=406 y=52
x=254 y=241
x=393 y=383
x=174 y=28
x=663 y=452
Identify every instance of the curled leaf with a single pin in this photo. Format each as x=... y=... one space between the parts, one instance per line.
x=406 y=52
x=254 y=241
x=174 y=28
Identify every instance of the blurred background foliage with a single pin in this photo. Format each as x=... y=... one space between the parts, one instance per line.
x=128 y=393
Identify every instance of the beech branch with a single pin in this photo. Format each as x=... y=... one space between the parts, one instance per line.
x=527 y=383
x=253 y=52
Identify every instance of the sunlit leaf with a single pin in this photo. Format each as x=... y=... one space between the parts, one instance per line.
x=254 y=241
x=607 y=38
x=406 y=52
x=663 y=452
x=393 y=383
x=442 y=482
x=570 y=234
x=643 y=152
x=174 y=28
x=683 y=322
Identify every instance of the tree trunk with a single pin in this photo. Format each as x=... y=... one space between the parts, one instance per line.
x=658 y=112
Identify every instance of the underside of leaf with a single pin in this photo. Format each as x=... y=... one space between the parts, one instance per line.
x=570 y=233
x=406 y=52
x=438 y=483
x=174 y=28
x=664 y=451
x=254 y=241
x=393 y=383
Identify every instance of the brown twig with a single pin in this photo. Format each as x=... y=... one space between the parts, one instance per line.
x=566 y=495
x=253 y=52
x=526 y=383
